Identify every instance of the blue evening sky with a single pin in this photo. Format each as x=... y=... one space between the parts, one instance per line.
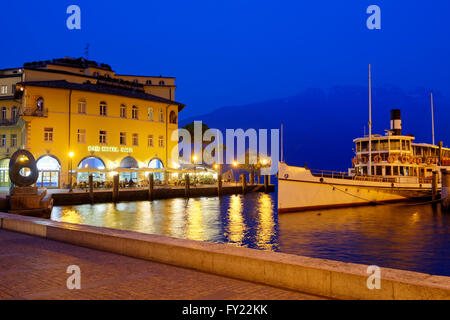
x=241 y=51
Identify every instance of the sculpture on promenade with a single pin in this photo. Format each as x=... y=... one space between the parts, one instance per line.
x=23 y=159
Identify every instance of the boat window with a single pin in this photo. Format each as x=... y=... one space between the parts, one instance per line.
x=364 y=146
x=402 y=171
x=388 y=170
x=375 y=145
x=383 y=145
x=395 y=144
x=379 y=171
x=395 y=171
x=358 y=147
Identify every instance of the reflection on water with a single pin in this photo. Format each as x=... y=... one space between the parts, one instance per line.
x=404 y=237
x=243 y=221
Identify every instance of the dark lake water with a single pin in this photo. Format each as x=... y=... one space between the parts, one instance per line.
x=408 y=237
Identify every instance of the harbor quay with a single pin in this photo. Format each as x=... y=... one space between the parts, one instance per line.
x=310 y=276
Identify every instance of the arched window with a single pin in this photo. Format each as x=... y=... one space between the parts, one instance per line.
x=49 y=172
x=162 y=83
x=149 y=82
x=91 y=165
x=161 y=115
x=135 y=112
x=135 y=81
x=129 y=163
x=150 y=114
x=123 y=111
x=103 y=108
x=172 y=117
x=156 y=164
x=40 y=104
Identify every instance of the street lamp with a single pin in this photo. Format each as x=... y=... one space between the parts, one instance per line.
x=235 y=164
x=71 y=154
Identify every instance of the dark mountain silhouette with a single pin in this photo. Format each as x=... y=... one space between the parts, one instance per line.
x=320 y=125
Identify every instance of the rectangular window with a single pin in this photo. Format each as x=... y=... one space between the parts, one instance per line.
x=379 y=171
x=135 y=139
x=4 y=89
x=123 y=111
x=81 y=135
x=161 y=142
x=134 y=113
x=13 y=89
x=103 y=109
x=150 y=140
x=102 y=137
x=3 y=141
x=123 y=139
x=48 y=134
x=14 y=140
x=395 y=171
x=388 y=170
x=82 y=107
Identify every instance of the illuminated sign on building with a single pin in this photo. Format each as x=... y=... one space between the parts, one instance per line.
x=109 y=149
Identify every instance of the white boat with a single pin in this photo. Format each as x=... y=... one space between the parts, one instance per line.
x=395 y=169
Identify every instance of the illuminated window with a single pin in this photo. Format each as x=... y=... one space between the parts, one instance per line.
x=3 y=113
x=48 y=134
x=40 y=104
x=4 y=89
x=148 y=82
x=161 y=141
x=123 y=139
x=81 y=106
x=123 y=111
x=3 y=141
x=103 y=108
x=81 y=136
x=102 y=137
x=162 y=83
x=161 y=115
x=150 y=140
x=134 y=113
x=135 y=139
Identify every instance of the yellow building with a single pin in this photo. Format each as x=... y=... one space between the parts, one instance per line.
x=74 y=107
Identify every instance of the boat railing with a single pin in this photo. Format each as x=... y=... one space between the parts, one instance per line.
x=345 y=175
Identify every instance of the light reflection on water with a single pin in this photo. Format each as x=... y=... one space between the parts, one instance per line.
x=247 y=221
x=404 y=237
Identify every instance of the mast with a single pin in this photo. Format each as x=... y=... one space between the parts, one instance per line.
x=281 y=142
x=432 y=117
x=370 y=124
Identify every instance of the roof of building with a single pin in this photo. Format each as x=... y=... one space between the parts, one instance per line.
x=70 y=62
x=103 y=88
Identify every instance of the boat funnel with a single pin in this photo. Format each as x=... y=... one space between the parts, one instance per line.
x=396 y=122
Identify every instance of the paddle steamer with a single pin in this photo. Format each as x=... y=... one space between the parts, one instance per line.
x=395 y=168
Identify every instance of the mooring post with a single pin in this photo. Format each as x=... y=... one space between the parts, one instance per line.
x=251 y=178
x=219 y=184
x=244 y=183
x=91 y=188
x=151 y=183
x=115 y=194
x=186 y=186
x=266 y=183
x=434 y=185
x=445 y=192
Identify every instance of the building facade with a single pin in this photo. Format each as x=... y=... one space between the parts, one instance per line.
x=78 y=114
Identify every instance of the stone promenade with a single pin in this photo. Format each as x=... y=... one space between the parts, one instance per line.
x=35 y=268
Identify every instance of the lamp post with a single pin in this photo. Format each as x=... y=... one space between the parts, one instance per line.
x=235 y=164
x=194 y=160
x=71 y=154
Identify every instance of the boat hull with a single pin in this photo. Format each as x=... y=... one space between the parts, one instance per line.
x=300 y=190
